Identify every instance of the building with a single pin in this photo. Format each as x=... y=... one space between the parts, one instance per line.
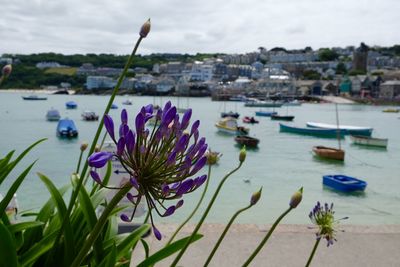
x=99 y=82
x=201 y=72
x=390 y=89
x=360 y=58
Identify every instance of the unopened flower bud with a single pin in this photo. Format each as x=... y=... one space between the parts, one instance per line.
x=97 y=148
x=6 y=71
x=296 y=198
x=145 y=29
x=255 y=197
x=242 y=154
x=84 y=146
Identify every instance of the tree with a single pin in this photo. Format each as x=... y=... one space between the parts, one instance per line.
x=311 y=75
x=326 y=54
x=341 y=68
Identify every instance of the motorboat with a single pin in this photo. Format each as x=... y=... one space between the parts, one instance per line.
x=229 y=125
x=71 y=105
x=53 y=115
x=369 y=141
x=247 y=141
x=282 y=117
x=266 y=113
x=67 y=128
x=251 y=120
x=88 y=115
x=114 y=106
x=127 y=102
x=344 y=183
x=34 y=97
x=230 y=114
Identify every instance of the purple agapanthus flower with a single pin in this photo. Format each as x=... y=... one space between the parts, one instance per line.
x=323 y=218
x=162 y=160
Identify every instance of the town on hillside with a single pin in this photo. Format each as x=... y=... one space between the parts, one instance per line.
x=362 y=73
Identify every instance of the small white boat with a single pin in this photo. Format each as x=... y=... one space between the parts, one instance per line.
x=88 y=115
x=346 y=129
x=229 y=125
x=292 y=103
x=127 y=102
x=369 y=141
x=53 y=115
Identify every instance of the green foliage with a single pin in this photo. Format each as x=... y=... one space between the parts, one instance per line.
x=326 y=54
x=341 y=68
x=311 y=75
x=356 y=72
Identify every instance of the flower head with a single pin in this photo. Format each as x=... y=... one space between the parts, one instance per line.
x=323 y=218
x=6 y=71
x=255 y=197
x=296 y=198
x=162 y=160
x=145 y=29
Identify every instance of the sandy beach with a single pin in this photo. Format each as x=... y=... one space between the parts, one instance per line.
x=290 y=245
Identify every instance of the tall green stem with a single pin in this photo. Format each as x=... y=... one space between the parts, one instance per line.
x=224 y=233
x=94 y=234
x=313 y=252
x=195 y=209
x=182 y=251
x=79 y=162
x=260 y=246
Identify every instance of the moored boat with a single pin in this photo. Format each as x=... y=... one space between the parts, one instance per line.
x=265 y=113
x=34 y=97
x=229 y=125
x=67 y=128
x=391 y=110
x=292 y=103
x=344 y=183
x=230 y=114
x=114 y=106
x=247 y=141
x=53 y=115
x=346 y=129
x=127 y=102
x=281 y=118
x=369 y=141
x=265 y=104
x=71 y=105
x=88 y=115
x=251 y=120
x=326 y=133
x=329 y=152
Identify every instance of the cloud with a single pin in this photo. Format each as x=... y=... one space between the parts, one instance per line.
x=100 y=26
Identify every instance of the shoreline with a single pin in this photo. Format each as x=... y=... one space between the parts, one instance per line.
x=289 y=245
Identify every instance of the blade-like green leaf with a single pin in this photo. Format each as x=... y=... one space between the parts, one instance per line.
x=18 y=159
x=131 y=240
x=38 y=249
x=110 y=259
x=18 y=227
x=4 y=162
x=167 y=251
x=62 y=212
x=146 y=247
x=8 y=251
x=14 y=187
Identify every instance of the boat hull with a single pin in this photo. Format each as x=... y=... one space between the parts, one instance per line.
x=325 y=133
x=344 y=183
x=263 y=104
x=230 y=114
x=329 y=153
x=369 y=141
x=265 y=113
x=281 y=118
x=354 y=130
x=247 y=141
x=34 y=98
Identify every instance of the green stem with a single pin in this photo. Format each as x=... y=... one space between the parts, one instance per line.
x=313 y=252
x=182 y=251
x=94 y=142
x=94 y=234
x=260 y=246
x=79 y=162
x=195 y=209
x=224 y=233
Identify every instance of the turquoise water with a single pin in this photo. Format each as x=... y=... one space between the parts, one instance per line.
x=282 y=163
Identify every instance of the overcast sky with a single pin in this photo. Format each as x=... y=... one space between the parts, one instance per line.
x=191 y=26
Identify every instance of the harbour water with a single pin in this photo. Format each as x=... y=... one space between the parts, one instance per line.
x=282 y=163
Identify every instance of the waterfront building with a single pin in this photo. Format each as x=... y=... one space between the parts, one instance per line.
x=99 y=82
x=345 y=86
x=390 y=89
x=201 y=72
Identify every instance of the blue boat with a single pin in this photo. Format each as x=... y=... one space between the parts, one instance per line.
x=327 y=133
x=114 y=106
x=344 y=183
x=71 y=105
x=266 y=113
x=346 y=129
x=67 y=128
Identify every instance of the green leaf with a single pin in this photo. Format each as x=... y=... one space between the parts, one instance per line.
x=167 y=251
x=131 y=240
x=19 y=158
x=8 y=250
x=18 y=227
x=38 y=249
x=146 y=247
x=110 y=259
x=62 y=212
x=4 y=162
x=14 y=187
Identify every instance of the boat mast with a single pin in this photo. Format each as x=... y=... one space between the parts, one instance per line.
x=337 y=125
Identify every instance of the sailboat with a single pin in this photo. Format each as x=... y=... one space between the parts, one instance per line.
x=232 y=114
x=331 y=152
x=277 y=117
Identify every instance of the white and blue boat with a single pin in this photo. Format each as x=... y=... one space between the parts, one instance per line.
x=114 y=106
x=266 y=113
x=346 y=129
x=67 y=128
x=71 y=105
x=344 y=183
x=53 y=115
x=326 y=133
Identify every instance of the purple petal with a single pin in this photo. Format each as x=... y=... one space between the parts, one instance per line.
x=130 y=197
x=159 y=114
x=167 y=107
x=175 y=186
x=99 y=159
x=169 y=211
x=125 y=217
x=182 y=143
x=168 y=116
x=157 y=233
x=195 y=126
x=134 y=182
x=149 y=108
x=171 y=159
x=95 y=176
x=200 y=180
x=185 y=187
x=123 y=130
x=199 y=164
x=186 y=118
x=120 y=146
x=179 y=204
x=196 y=135
x=130 y=141
x=139 y=123
x=165 y=189
x=202 y=150
x=124 y=116
x=109 y=124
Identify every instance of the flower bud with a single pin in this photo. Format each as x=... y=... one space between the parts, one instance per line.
x=255 y=197
x=84 y=146
x=242 y=155
x=97 y=148
x=145 y=29
x=6 y=71
x=296 y=198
